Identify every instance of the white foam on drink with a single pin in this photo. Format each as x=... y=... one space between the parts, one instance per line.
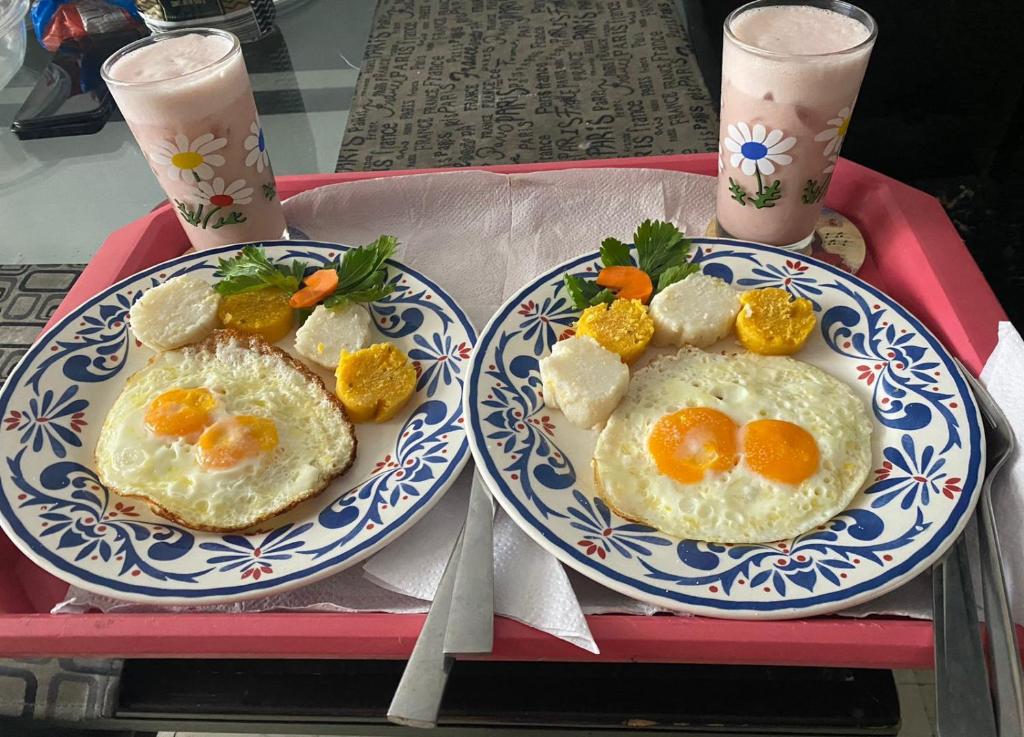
x=812 y=73
x=170 y=58
x=798 y=29
x=183 y=78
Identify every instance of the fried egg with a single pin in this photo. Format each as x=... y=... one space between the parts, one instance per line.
x=733 y=448
x=222 y=434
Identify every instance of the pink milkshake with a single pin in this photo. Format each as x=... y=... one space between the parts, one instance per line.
x=790 y=76
x=186 y=97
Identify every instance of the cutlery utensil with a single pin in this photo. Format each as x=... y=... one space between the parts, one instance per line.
x=471 y=619
x=963 y=704
x=417 y=699
x=1003 y=649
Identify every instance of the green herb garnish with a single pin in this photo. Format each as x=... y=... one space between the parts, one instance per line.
x=362 y=275
x=585 y=293
x=673 y=274
x=251 y=270
x=615 y=253
x=661 y=250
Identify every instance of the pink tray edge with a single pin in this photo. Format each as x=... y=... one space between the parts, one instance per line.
x=867 y=643
x=963 y=312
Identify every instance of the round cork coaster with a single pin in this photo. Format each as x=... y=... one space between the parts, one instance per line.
x=836 y=241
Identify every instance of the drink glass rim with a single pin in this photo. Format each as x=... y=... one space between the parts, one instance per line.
x=236 y=48
x=840 y=6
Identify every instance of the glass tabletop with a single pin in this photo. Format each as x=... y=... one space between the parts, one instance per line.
x=61 y=197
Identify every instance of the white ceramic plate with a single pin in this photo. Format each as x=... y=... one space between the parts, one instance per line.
x=54 y=403
x=928 y=454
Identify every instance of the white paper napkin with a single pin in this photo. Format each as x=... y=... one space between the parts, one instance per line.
x=485 y=235
x=530 y=585
x=348 y=591
x=538 y=221
x=412 y=565
x=1002 y=376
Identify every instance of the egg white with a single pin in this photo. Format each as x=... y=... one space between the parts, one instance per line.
x=735 y=506
x=315 y=440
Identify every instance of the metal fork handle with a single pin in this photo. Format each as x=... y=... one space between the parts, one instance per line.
x=963 y=704
x=1002 y=641
x=1004 y=651
x=471 y=619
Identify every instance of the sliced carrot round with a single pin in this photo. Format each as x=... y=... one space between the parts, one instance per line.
x=629 y=282
x=319 y=284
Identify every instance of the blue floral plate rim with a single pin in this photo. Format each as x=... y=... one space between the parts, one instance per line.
x=78 y=574
x=784 y=607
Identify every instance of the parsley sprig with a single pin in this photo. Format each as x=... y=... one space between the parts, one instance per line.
x=661 y=250
x=251 y=270
x=362 y=273
x=585 y=293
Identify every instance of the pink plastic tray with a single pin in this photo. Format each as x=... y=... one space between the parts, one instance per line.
x=915 y=255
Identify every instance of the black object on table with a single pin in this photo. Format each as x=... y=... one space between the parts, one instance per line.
x=351 y=697
x=70 y=98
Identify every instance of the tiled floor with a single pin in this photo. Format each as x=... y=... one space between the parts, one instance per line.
x=917 y=702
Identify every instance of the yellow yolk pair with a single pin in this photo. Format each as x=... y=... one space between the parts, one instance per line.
x=222 y=444
x=692 y=441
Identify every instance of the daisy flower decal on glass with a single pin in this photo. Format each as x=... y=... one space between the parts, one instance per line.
x=757 y=152
x=814 y=189
x=213 y=198
x=187 y=160
x=219 y=195
x=256 y=145
x=836 y=132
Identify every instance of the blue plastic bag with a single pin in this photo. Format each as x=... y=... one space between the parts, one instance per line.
x=43 y=12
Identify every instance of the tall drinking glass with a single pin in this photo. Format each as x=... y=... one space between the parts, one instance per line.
x=187 y=99
x=791 y=72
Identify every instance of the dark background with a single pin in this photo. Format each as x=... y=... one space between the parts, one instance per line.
x=941 y=108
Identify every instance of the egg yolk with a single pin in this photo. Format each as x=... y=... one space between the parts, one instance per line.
x=691 y=441
x=228 y=442
x=780 y=450
x=180 y=412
